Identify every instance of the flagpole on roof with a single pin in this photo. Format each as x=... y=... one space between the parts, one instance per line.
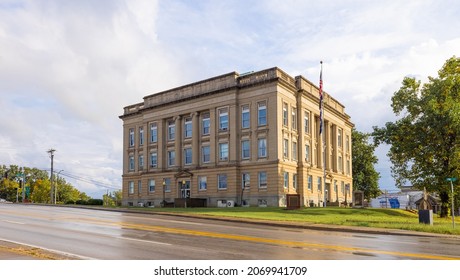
x=322 y=131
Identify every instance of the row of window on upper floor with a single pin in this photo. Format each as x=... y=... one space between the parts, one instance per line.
x=223 y=125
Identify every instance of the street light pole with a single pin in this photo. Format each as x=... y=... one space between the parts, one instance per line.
x=452 y=190
x=164 y=186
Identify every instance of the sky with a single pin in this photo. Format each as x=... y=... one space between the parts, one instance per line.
x=67 y=68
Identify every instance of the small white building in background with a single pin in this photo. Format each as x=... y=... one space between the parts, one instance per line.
x=404 y=199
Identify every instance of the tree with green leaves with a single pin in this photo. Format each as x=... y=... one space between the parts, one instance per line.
x=365 y=177
x=425 y=140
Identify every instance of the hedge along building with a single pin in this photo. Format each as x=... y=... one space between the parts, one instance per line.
x=249 y=139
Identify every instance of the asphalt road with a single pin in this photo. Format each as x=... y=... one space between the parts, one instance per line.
x=94 y=234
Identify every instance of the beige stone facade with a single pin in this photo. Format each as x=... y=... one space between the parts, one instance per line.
x=235 y=139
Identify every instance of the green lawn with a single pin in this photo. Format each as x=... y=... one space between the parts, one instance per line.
x=367 y=217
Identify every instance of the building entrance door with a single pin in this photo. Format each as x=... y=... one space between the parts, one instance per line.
x=184 y=189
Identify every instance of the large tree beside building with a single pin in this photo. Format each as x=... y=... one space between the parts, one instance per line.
x=365 y=177
x=425 y=140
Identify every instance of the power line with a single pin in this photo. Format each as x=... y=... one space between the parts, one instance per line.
x=89 y=180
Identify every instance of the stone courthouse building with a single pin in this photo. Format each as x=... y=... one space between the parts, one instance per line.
x=251 y=139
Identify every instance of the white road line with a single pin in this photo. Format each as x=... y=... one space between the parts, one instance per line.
x=13 y=222
x=49 y=250
x=145 y=241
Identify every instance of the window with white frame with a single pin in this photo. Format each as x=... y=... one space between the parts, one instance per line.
x=167 y=184
x=245 y=116
x=347 y=143
x=153 y=159
x=294 y=150
x=342 y=187
x=188 y=128
x=306 y=122
x=222 y=181
x=223 y=151
x=285 y=114
x=153 y=133
x=188 y=156
x=141 y=162
x=307 y=152
x=130 y=187
x=131 y=163
x=261 y=113
x=206 y=124
x=310 y=182
x=262 y=147
x=294 y=118
x=202 y=183
x=245 y=152
x=285 y=148
x=319 y=184
x=151 y=185
x=286 y=179
x=339 y=137
x=141 y=136
x=171 y=130
x=340 y=164
x=131 y=137
x=294 y=181
x=262 y=180
x=245 y=180
x=223 y=119
x=171 y=158
x=206 y=154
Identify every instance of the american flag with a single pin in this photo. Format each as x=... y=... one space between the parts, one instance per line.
x=321 y=99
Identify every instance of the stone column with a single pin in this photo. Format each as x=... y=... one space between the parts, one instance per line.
x=178 y=141
x=195 y=139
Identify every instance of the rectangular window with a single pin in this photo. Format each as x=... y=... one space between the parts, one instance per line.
x=285 y=148
x=153 y=133
x=285 y=114
x=188 y=128
x=206 y=154
x=245 y=117
x=348 y=167
x=286 y=180
x=141 y=162
x=202 y=183
x=261 y=113
x=294 y=150
x=294 y=118
x=307 y=153
x=171 y=158
x=139 y=187
x=131 y=163
x=319 y=184
x=306 y=122
x=151 y=185
x=188 y=156
x=340 y=164
x=310 y=182
x=262 y=148
x=141 y=136
x=131 y=187
x=223 y=119
x=335 y=186
x=222 y=181
x=223 y=151
x=167 y=184
x=263 y=180
x=206 y=122
x=294 y=181
x=342 y=187
x=245 y=152
x=348 y=143
x=153 y=159
x=245 y=180
x=171 y=130
x=339 y=137
x=131 y=137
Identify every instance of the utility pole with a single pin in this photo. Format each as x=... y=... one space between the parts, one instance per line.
x=51 y=152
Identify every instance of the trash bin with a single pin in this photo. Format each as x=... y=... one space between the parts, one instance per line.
x=425 y=217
